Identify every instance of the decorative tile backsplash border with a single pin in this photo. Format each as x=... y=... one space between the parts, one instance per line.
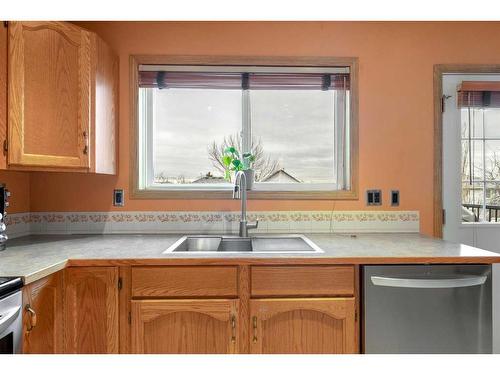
x=210 y=222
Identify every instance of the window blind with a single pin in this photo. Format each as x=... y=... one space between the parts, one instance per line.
x=252 y=81
x=479 y=94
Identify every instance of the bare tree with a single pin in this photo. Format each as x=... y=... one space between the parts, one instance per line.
x=263 y=165
x=161 y=178
x=472 y=192
x=492 y=173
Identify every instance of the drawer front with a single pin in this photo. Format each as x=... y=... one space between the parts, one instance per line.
x=302 y=281
x=183 y=281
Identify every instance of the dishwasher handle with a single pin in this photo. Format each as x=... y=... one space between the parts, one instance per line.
x=396 y=282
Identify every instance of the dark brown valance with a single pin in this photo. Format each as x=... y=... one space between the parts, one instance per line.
x=478 y=94
x=252 y=81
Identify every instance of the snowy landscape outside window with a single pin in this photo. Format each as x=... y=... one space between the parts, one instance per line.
x=295 y=121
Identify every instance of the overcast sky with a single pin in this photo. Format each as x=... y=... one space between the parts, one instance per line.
x=295 y=127
x=482 y=121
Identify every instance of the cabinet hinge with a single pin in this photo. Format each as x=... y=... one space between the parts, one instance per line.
x=5 y=146
x=120 y=283
x=5 y=23
x=129 y=317
x=444 y=216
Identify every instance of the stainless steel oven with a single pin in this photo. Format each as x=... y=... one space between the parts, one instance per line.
x=10 y=315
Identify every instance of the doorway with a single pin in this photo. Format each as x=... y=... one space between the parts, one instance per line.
x=467 y=186
x=471 y=160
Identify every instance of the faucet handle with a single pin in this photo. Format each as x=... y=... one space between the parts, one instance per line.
x=236 y=192
x=253 y=225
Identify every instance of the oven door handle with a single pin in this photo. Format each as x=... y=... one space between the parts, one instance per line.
x=8 y=317
x=396 y=282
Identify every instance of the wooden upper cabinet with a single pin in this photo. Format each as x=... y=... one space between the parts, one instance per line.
x=43 y=316
x=303 y=325
x=62 y=99
x=104 y=113
x=3 y=94
x=49 y=94
x=185 y=326
x=91 y=310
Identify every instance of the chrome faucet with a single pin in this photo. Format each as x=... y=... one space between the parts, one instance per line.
x=240 y=192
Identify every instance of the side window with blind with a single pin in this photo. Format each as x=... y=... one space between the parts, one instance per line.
x=479 y=104
x=295 y=122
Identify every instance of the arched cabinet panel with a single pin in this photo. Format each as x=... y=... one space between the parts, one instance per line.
x=184 y=326
x=302 y=325
x=49 y=94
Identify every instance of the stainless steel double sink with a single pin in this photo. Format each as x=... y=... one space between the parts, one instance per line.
x=293 y=243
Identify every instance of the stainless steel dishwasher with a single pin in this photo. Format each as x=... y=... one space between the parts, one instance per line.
x=427 y=309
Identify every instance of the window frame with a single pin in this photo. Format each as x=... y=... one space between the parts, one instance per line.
x=275 y=192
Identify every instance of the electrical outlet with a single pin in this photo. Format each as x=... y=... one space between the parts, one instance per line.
x=394 y=197
x=118 y=198
x=374 y=197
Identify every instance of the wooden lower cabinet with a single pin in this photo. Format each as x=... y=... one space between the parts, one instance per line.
x=185 y=326
x=303 y=325
x=91 y=310
x=43 y=316
x=78 y=311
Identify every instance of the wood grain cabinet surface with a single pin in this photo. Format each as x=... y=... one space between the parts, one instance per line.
x=62 y=99
x=190 y=309
x=185 y=326
x=49 y=91
x=185 y=281
x=104 y=113
x=43 y=316
x=303 y=326
x=91 y=310
x=268 y=281
x=3 y=94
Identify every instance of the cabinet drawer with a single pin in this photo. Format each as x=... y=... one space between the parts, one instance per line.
x=302 y=281
x=181 y=281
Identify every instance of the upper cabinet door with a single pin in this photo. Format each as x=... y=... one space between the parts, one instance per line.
x=49 y=95
x=303 y=326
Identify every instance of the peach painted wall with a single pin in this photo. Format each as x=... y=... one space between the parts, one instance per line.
x=396 y=105
x=18 y=184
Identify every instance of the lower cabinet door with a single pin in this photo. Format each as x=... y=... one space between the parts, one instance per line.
x=42 y=316
x=91 y=310
x=302 y=325
x=185 y=326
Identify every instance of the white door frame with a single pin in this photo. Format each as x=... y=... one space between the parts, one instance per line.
x=439 y=103
x=439 y=70
x=453 y=227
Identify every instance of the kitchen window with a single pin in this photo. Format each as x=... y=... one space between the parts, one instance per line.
x=295 y=121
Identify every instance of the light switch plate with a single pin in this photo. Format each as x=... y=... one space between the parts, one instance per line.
x=394 y=198
x=118 y=198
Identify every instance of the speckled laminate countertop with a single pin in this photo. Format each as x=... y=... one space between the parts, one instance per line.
x=34 y=257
